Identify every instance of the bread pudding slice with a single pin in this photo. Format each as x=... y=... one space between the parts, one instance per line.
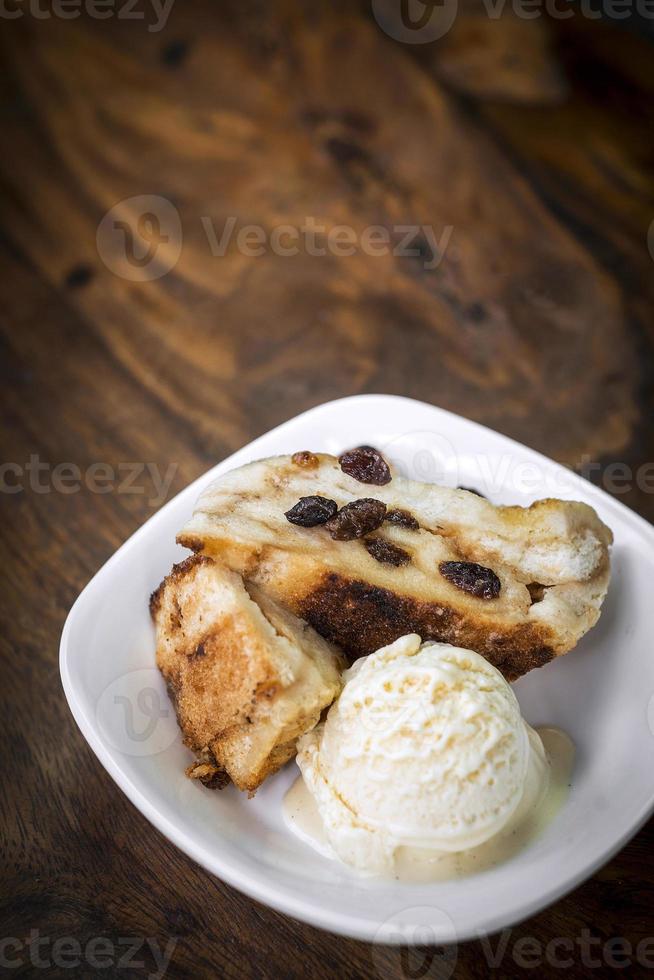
x=246 y=676
x=366 y=556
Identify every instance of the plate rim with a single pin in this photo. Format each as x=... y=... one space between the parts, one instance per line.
x=361 y=927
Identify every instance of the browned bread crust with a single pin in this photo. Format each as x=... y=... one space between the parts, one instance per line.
x=551 y=559
x=246 y=677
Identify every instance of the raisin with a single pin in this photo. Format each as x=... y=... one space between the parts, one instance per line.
x=211 y=776
x=311 y=511
x=471 y=577
x=402 y=518
x=367 y=465
x=306 y=459
x=356 y=519
x=387 y=553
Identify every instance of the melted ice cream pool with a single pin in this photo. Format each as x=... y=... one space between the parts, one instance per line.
x=537 y=809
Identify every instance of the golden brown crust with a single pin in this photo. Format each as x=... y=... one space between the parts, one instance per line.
x=546 y=566
x=360 y=618
x=246 y=678
x=177 y=573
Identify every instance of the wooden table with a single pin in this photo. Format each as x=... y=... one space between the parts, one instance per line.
x=529 y=139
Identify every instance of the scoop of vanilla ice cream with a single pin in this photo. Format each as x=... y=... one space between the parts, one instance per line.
x=426 y=748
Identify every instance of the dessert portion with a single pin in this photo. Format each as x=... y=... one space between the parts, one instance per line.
x=366 y=556
x=305 y=563
x=245 y=675
x=424 y=754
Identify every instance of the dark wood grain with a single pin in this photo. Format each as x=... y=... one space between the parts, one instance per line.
x=533 y=141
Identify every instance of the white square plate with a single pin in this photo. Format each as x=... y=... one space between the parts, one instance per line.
x=601 y=694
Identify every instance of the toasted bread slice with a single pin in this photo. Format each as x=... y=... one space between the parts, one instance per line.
x=551 y=561
x=246 y=677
